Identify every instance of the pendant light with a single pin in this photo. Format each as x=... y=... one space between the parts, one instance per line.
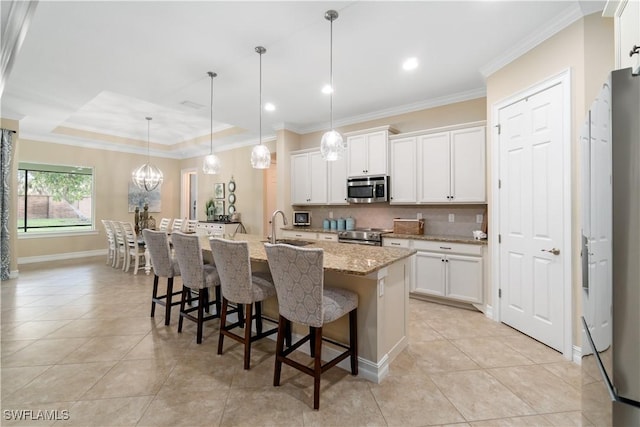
x=148 y=176
x=331 y=145
x=211 y=164
x=260 y=155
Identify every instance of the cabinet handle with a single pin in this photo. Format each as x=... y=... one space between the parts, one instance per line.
x=395 y=244
x=634 y=50
x=445 y=247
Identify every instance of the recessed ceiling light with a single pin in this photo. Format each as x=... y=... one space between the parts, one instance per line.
x=327 y=89
x=410 y=64
x=269 y=107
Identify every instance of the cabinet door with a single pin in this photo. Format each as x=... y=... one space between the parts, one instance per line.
x=468 y=165
x=337 y=180
x=377 y=153
x=403 y=171
x=300 y=179
x=430 y=273
x=433 y=164
x=464 y=278
x=628 y=34
x=317 y=178
x=356 y=155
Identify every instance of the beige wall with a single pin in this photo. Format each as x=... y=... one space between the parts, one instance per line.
x=586 y=48
x=112 y=172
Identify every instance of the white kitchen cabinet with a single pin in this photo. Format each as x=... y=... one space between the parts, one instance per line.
x=337 y=182
x=452 y=166
x=328 y=237
x=216 y=228
x=626 y=18
x=403 y=175
x=367 y=153
x=308 y=178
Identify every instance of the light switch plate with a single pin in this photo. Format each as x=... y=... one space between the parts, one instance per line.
x=479 y=218
x=452 y=218
x=330 y=214
x=419 y=216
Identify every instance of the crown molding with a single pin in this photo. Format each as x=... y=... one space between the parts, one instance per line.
x=571 y=14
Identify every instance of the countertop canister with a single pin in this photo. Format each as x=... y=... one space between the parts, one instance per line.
x=334 y=224
x=350 y=223
x=326 y=224
x=341 y=223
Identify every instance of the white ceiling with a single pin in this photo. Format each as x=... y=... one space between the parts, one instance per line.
x=89 y=72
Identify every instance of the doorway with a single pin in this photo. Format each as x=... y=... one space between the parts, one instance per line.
x=532 y=224
x=189 y=194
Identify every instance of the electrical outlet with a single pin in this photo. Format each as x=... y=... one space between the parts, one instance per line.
x=479 y=218
x=381 y=288
x=419 y=215
x=452 y=218
x=330 y=214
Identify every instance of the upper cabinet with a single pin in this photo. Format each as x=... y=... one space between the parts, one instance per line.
x=626 y=14
x=439 y=166
x=367 y=152
x=337 y=182
x=308 y=178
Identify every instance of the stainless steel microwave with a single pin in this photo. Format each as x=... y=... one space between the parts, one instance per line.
x=371 y=189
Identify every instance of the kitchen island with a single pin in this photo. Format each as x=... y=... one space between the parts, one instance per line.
x=380 y=276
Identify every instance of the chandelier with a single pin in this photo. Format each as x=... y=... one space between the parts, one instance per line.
x=148 y=176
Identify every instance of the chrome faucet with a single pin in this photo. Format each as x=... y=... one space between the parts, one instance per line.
x=273 y=224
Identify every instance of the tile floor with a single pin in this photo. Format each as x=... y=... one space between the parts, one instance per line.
x=77 y=337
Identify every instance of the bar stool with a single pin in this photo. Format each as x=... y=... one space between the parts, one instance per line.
x=196 y=276
x=241 y=286
x=298 y=276
x=164 y=265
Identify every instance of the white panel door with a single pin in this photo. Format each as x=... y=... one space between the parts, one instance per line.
x=356 y=155
x=434 y=161
x=403 y=171
x=468 y=165
x=532 y=215
x=377 y=153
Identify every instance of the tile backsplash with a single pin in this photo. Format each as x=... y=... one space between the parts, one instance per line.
x=378 y=215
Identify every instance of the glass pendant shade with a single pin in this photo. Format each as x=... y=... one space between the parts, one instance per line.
x=331 y=146
x=260 y=157
x=211 y=164
x=148 y=176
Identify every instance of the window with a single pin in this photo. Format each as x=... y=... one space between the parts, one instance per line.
x=54 y=198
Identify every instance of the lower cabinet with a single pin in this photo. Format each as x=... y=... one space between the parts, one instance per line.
x=217 y=228
x=446 y=270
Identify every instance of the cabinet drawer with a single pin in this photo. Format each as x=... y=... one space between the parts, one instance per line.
x=300 y=234
x=446 y=247
x=396 y=243
x=327 y=237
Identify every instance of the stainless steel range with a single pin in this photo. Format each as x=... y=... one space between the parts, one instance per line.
x=362 y=236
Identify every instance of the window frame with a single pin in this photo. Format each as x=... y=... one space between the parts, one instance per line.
x=62 y=230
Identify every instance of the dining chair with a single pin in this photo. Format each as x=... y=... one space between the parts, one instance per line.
x=196 y=276
x=243 y=287
x=134 y=248
x=176 y=225
x=121 y=244
x=165 y=224
x=111 y=241
x=298 y=276
x=164 y=265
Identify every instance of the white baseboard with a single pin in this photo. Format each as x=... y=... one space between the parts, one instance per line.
x=577 y=355
x=488 y=311
x=61 y=256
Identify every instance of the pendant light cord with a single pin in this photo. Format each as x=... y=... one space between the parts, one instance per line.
x=331 y=74
x=212 y=75
x=260 y=99
x=148 y=139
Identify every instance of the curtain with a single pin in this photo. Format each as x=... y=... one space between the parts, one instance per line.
x=5 y=176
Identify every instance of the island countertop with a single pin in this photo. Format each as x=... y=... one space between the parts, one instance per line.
x=345 y=258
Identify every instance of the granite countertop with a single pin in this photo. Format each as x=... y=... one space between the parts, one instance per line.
x=359 y=260
x=438 y=238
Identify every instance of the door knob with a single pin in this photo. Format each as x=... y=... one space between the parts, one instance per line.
x=553 y=251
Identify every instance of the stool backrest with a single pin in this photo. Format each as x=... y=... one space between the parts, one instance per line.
x=189 y=257
x=165 y=223
x=177 y=225
x=164 y=265
x=234 y=267
x=190 y=225
x=298 y=276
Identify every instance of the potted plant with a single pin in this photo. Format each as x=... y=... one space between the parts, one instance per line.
x=209 y=210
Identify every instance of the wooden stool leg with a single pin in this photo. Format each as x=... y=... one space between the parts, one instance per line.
x=312 y=343
x=287 y=333
x=154 y=295
x=353 y=340
x=168 y=301
x=259 y=317
x=202 y=301
x=317 y=366
x=247 y=337
x=183 y=300
x=223 y=323
x=282 y=325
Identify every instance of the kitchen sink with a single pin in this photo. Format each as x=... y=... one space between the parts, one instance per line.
x=292 y=242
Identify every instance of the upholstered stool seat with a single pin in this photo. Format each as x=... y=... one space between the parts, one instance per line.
x=298 y=276
x=196 y=276
x=242 y=287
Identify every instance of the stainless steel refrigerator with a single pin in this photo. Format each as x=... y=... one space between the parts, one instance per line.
x=611 y=254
